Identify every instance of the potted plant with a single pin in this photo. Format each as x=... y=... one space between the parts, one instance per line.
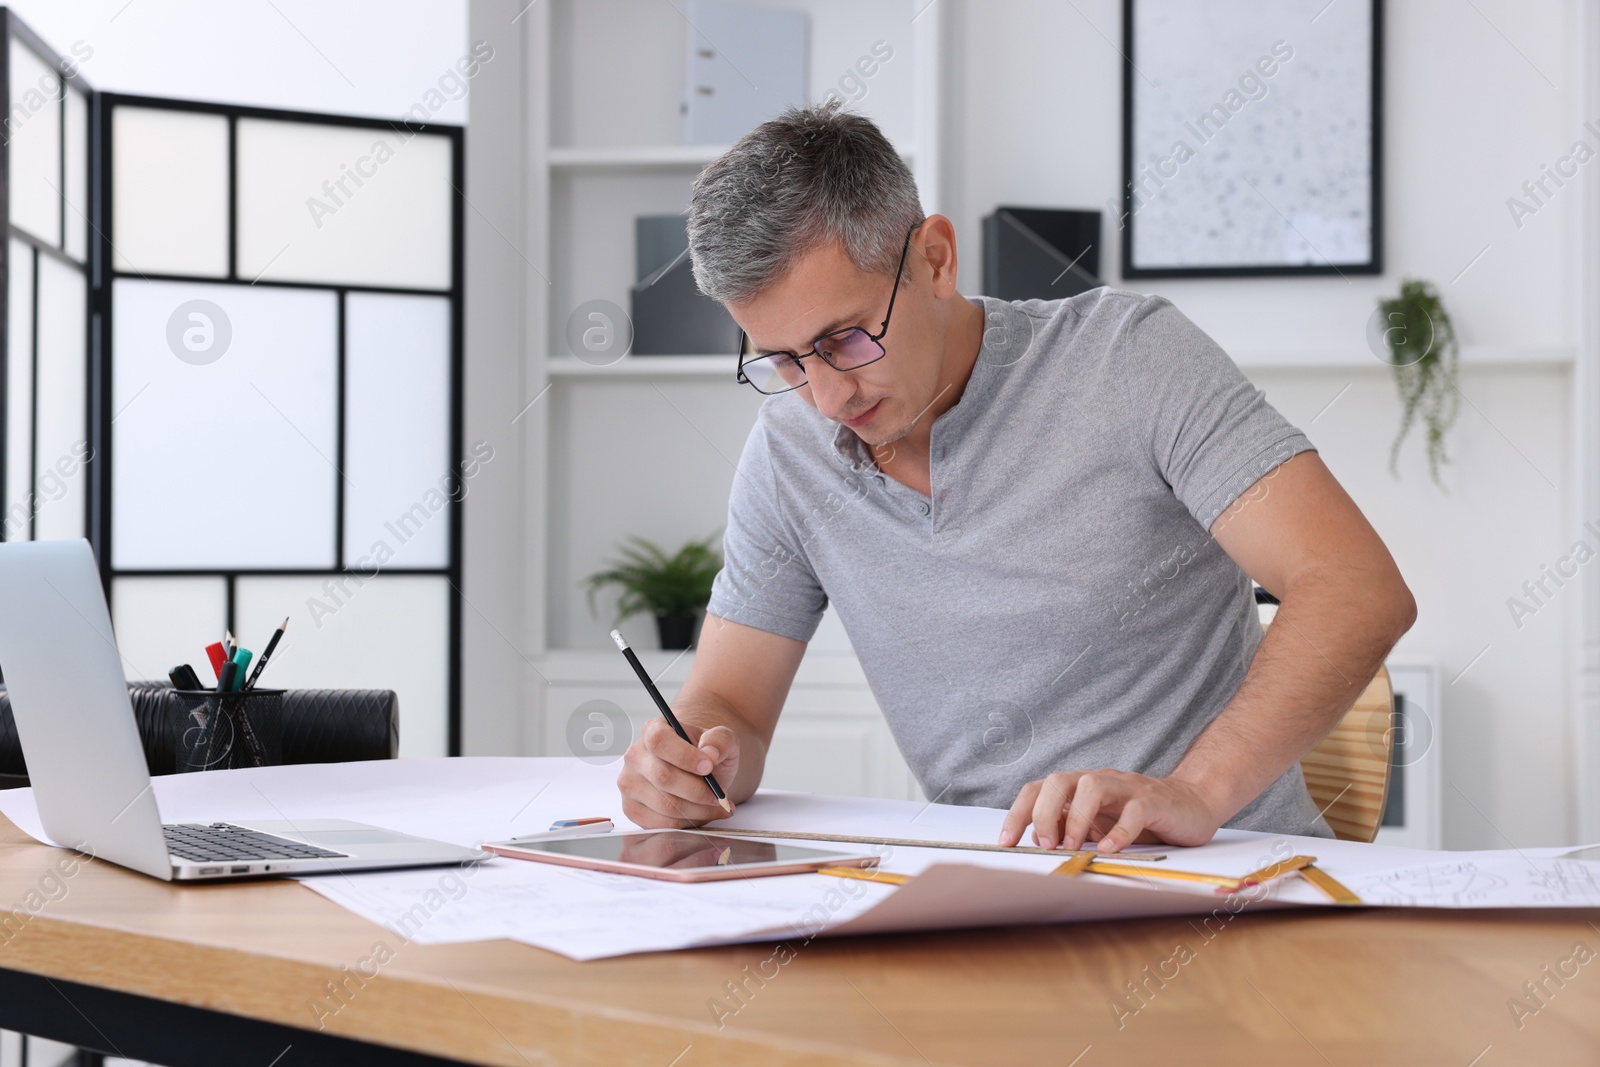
x=1422 y=348
x=674 y=588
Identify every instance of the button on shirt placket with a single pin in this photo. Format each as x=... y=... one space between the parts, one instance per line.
x=909 y=499
x=935 y=507
x=861 y=465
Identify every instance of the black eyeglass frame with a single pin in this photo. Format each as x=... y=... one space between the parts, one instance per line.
x=876 y=338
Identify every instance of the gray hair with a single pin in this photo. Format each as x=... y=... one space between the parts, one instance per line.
x=811 y=176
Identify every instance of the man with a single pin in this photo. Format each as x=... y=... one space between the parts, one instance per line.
x=1035 y=520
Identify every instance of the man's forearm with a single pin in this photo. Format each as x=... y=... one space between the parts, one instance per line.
x=1328 y=639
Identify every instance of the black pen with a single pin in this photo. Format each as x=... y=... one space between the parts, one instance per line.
x=666 y=713
x=272 y=643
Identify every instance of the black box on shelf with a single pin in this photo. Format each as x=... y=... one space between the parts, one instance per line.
x=670 y=316
x=1040 y=253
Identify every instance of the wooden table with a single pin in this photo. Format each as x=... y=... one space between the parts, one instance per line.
x=233 y=973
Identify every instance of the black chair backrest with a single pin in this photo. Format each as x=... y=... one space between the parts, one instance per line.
x=319 y=726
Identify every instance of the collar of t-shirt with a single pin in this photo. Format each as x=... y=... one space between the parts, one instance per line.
x=1007 y=334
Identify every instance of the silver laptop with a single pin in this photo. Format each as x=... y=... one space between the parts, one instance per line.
x=86 y=762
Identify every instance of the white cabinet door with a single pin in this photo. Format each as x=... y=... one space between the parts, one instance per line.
x=597 y=723
x=832 y=739
x=824 y=754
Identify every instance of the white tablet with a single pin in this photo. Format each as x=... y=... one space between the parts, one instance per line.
x=679 y=855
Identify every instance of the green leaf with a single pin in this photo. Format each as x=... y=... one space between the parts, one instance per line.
x=651 y=581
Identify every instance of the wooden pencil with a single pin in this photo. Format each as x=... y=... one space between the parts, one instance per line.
x=1075 y=865
x=1329 y=885
x=1277 y=870
x=866 y=874
x=1220 y=880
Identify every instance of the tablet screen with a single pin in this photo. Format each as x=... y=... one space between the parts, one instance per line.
x=675 y=849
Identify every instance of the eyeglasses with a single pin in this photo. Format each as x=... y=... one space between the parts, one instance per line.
x=847 y=349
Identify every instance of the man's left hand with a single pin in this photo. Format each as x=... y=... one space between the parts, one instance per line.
x=1115 y=808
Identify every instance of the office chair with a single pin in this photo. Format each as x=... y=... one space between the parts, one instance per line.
x=1347 y=773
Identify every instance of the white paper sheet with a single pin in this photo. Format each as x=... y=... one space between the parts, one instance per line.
x=589 y=915
x=1526 y=878
x=462 y=801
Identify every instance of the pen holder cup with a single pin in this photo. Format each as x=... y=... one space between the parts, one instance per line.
x=220 y=731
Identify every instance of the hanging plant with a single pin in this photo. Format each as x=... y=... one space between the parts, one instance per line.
x=1422 y=348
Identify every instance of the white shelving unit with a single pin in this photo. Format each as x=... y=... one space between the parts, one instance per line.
x=644 y=367
x=649 y=445
x=622 y=156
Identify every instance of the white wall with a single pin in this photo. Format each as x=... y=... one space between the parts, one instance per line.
x=635 y=439
x=373 y=58
x=1035 y=118
x=1506 y=737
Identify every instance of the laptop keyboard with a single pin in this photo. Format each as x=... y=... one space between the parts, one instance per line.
x=226 y=843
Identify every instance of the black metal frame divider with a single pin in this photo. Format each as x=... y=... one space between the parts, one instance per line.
x=102 y=107
x=15 y=27
x=169 y=1032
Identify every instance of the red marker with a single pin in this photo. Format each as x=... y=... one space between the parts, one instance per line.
x=218 y=657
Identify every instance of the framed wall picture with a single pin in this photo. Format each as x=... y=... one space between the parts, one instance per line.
x=1251 y=138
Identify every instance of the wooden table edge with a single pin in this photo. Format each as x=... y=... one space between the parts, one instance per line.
x=123 y=960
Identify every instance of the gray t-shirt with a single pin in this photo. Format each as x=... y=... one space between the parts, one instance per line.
x=1058 y=603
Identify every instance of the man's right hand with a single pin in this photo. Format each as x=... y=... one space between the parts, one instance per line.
x=663 y=776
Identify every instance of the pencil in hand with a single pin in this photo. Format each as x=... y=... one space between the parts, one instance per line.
x=666 y=713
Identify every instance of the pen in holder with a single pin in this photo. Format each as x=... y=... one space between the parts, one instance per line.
x=220 y=731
